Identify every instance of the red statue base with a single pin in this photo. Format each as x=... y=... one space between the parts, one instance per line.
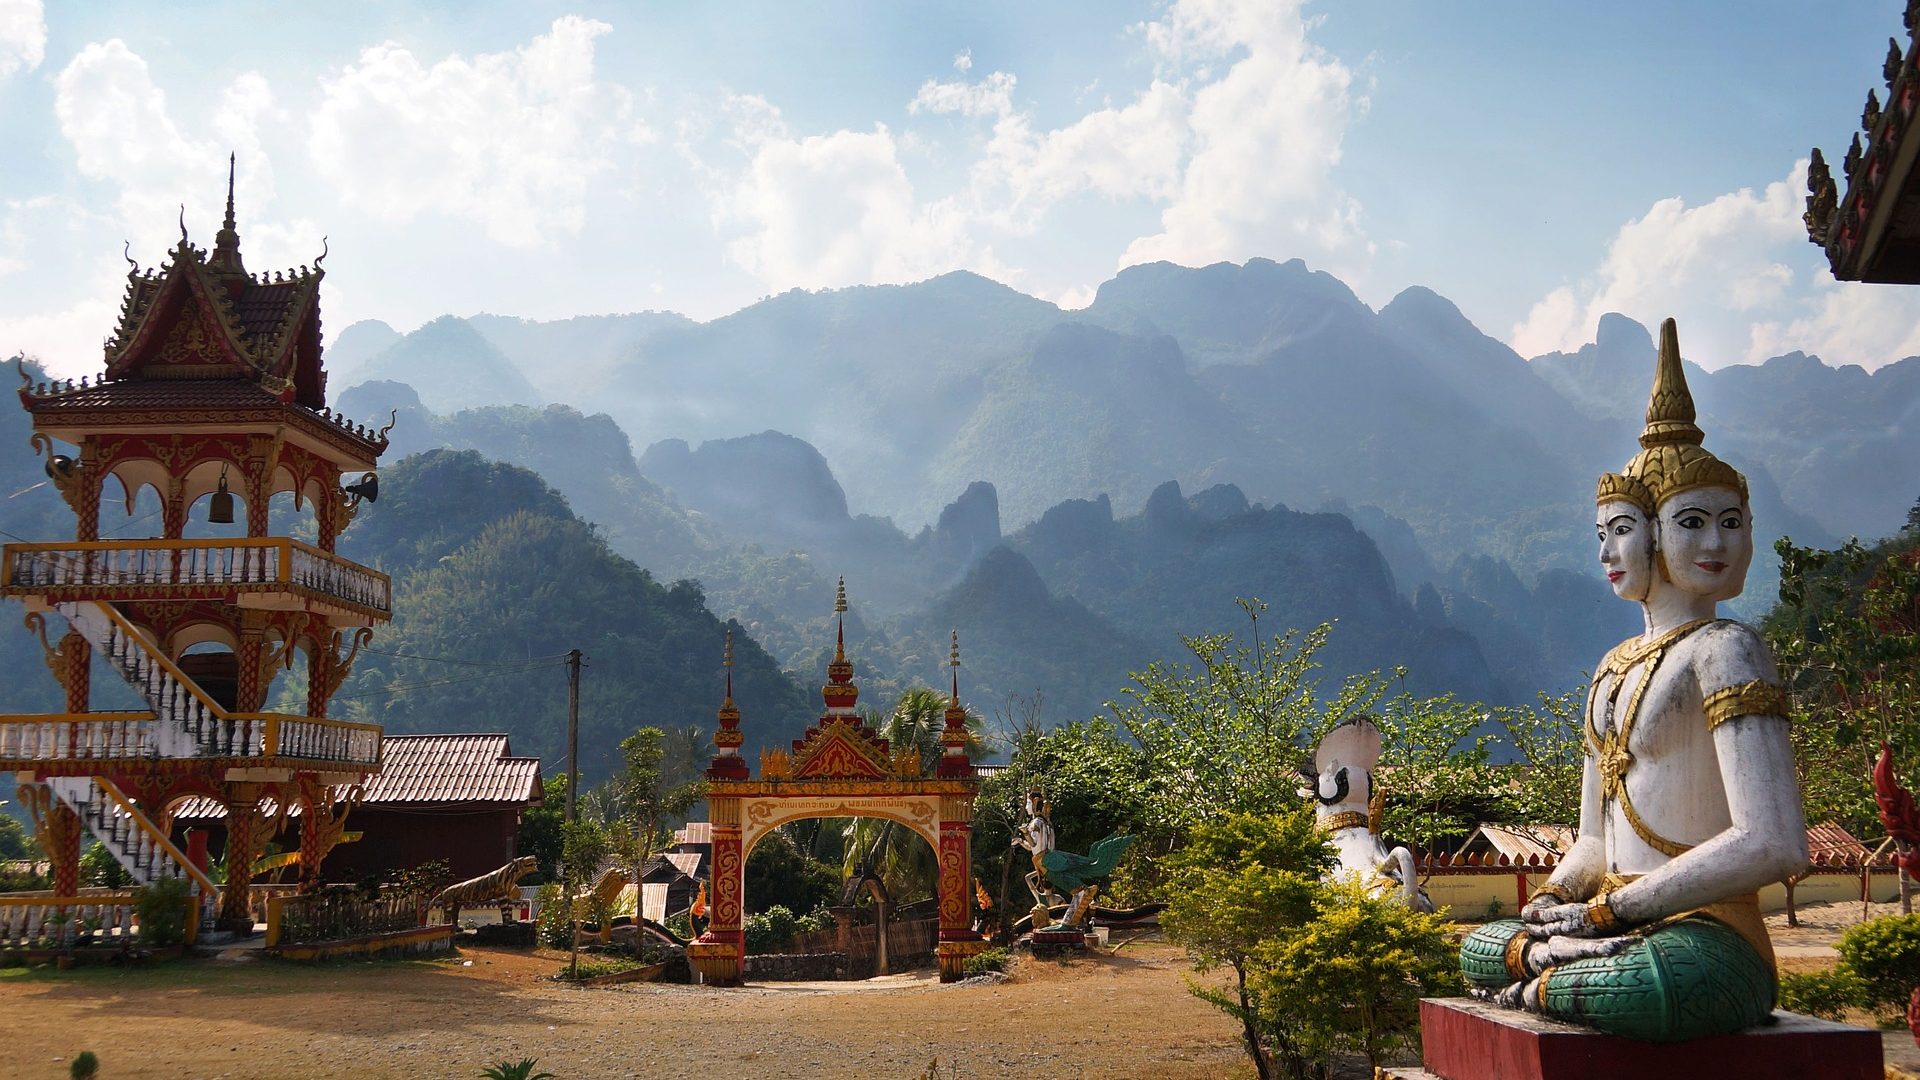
x=1464 y=1039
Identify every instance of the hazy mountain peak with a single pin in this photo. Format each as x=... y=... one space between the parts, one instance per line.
x=1618 y=335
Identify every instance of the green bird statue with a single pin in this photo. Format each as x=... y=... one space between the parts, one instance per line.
x=1070 y=873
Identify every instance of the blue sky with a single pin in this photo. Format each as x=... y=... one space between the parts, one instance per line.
x=1538 y=163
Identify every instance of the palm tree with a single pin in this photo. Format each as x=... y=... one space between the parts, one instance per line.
x=905 y=862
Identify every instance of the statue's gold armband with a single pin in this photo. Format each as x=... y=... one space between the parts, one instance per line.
x=1756 y=698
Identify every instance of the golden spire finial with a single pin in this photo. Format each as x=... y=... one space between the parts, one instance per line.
x=1671 y=459
x=1670 y=413
x=840 y=631
x=726 y=661
x=953 y=661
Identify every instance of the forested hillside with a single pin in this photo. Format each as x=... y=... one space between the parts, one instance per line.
x=495 y=580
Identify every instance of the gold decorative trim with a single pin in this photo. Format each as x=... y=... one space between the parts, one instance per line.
x=1516 y=954
x=1346 y=819
x=1609 y=749
x=1600 y=912
x=1549 y=889
x=1756 y=698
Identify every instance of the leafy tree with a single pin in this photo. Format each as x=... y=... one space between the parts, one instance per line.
x=1436 y=767
x=583 y=847
x=99 y=867
x=904 y=860
x=646 y=798
x=1552 y=749
x=1243 y=881
x=1229 y=734
x=539 y=833
x=14 y=841
x=780 y=874
x=1847 y=634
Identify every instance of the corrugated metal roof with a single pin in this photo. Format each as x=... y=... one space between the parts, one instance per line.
x=1832 y=841
x=687 y=862
x=696 y=832
x=1521 y=841
x=430 y=769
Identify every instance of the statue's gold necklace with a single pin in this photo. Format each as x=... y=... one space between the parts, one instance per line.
x=1609 y=748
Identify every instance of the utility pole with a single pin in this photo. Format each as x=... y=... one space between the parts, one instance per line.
x=573 y=730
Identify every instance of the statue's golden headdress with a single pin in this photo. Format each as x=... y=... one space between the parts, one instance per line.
x=1671 y=459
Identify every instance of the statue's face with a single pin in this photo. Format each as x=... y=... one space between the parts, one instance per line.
x=1626 y=548
x=1706 y=542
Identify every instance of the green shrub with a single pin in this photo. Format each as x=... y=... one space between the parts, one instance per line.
x=84 y=1067
x=991 y=960
x=1350 y=979
x=771 y=931
x=99 y=867
x=1885 y=955
x=552 y=924
x=162 y=910
x=1826 y=994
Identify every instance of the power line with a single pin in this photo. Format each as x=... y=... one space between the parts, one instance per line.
x=469 y=663
x=448 y=682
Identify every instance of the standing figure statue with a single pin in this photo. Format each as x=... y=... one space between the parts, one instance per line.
x=1054 y=869
x=1342 y=779
x=1036 y=835
x=1650 y=927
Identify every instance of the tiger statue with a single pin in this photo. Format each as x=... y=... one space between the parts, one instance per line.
x=497 y=886
x=600 y=900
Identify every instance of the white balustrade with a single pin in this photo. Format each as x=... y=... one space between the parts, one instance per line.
x=255 y=562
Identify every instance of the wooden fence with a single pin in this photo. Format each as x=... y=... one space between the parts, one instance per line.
x=339 y=912
x=907 y=943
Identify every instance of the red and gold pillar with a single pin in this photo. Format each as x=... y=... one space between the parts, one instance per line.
x=76 y=655
x=245 y=838
x=717 y=955
x=62 y=844
x=959 y=941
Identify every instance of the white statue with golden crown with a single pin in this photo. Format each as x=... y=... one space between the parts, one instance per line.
x=1650 y=927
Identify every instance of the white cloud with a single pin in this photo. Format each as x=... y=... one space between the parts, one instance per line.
x=510 y=140
x=992 y=96
x=23 y=36
x=1724 y=270
x=1130 y=152
x=833 y=210
x=1234 y=140
x=1264 y=138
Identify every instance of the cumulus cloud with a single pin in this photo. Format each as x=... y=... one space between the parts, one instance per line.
x=510 y=140
x=831 y=210
x=23 y=36
x=117 y=120
x=1725 y=269
x=1234 y=139
x=1263 y=139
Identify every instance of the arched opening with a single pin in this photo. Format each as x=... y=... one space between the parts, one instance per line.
x=198 y=490
x=211 y=663
x=881 y=916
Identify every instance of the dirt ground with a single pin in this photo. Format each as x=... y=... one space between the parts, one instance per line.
x=1126 y=1015
x=1122 y=1015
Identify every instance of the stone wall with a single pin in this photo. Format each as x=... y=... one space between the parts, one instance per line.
x=797 y=967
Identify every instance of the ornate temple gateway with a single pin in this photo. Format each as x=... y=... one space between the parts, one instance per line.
x=841 y=768
x=212 y=392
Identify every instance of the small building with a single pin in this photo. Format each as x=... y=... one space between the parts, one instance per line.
x=456 y=798
x=1519 y=843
